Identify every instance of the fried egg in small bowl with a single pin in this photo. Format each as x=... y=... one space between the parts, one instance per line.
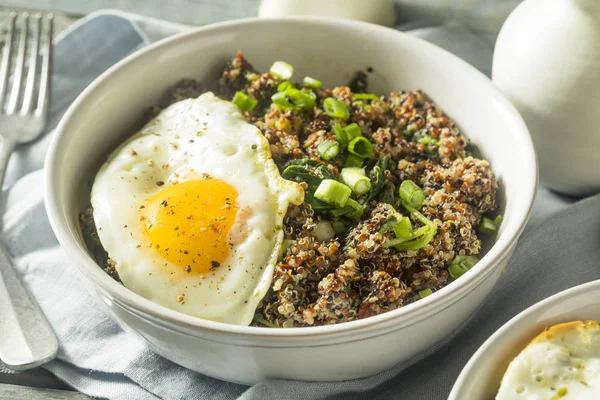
x=191 y=298
x=549 y=351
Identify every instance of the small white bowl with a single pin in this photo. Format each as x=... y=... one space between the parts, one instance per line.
x=330 y=50
x=480 y=378
x=380 y=12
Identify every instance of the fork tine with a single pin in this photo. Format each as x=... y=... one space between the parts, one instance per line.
x=6 y=56
x=46 y=76
x=32 y=69
x=18 y=76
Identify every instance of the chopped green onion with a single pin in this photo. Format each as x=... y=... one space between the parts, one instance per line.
x=498 y=221
x=304 y=98
x=351 y=209
x=425 y=292
x=388 y=225
x=490 y=227
x=282 y=70
x=394 y=242
x=333 y=192
x=360 y=146
x=421 y=238
x=324 y=231
x=336 y=108
x=487 y=226
x=352 y=131
x=261 y=320
x=412 y=194
x=340 y=135
x=366 y=96
x=353 y=161
x=328 y=149
x=244 y=101
x=356 y=206
x=340 y=227
x=312 y=83
x=404 y=229
x=293 y=99
x=281 y=100
x=460 y=265
x=423 y=137
x=285 y=85
x=356 y=179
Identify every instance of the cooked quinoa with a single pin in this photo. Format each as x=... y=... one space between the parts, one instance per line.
x=336 y=266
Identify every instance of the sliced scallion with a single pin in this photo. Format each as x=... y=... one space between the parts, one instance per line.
x=356 y=179
x=404 y=229
x=366 y=96
x=282 y=101
x=333 y=192
x=356 y=206
x=336 y=108
x=460 y=265
x=261 y=320
x=328 y=149
x=282 y=70
x=301 y=98
x=388 y=225
x=498 y=221
x=354 y=161
x=422 y=237
x=361 y=147
x=283 y=86
x=425 y=292
x=312 y=83
x=244 y=101
x=394 y=242
x=340 y=135
x=412 y=194
x=293 y=98
x=324 y=231
x=490 y=227
x=340 y=227
x=487 y=226
x=352 y=131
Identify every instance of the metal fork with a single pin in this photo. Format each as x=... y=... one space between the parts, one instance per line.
x=26 y=339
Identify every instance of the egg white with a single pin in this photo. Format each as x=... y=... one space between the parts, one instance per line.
x=563 y=362
x=186 y=141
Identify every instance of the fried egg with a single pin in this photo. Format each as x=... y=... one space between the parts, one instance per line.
x=563 y=362
x=190 y=211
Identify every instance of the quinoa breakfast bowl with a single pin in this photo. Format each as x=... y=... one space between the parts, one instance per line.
x=310 y=199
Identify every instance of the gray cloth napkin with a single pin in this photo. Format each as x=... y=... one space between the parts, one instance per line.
x=558 y=250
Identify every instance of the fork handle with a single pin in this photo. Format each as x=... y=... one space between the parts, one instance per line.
x=26 y=339
x=6 y=148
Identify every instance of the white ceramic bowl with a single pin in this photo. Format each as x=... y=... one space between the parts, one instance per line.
x=330 y=49
x=480 y=378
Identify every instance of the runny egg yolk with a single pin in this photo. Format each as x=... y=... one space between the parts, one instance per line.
x=188 y=223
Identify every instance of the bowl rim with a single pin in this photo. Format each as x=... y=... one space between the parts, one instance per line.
x=505 y=241
x=505 y=333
